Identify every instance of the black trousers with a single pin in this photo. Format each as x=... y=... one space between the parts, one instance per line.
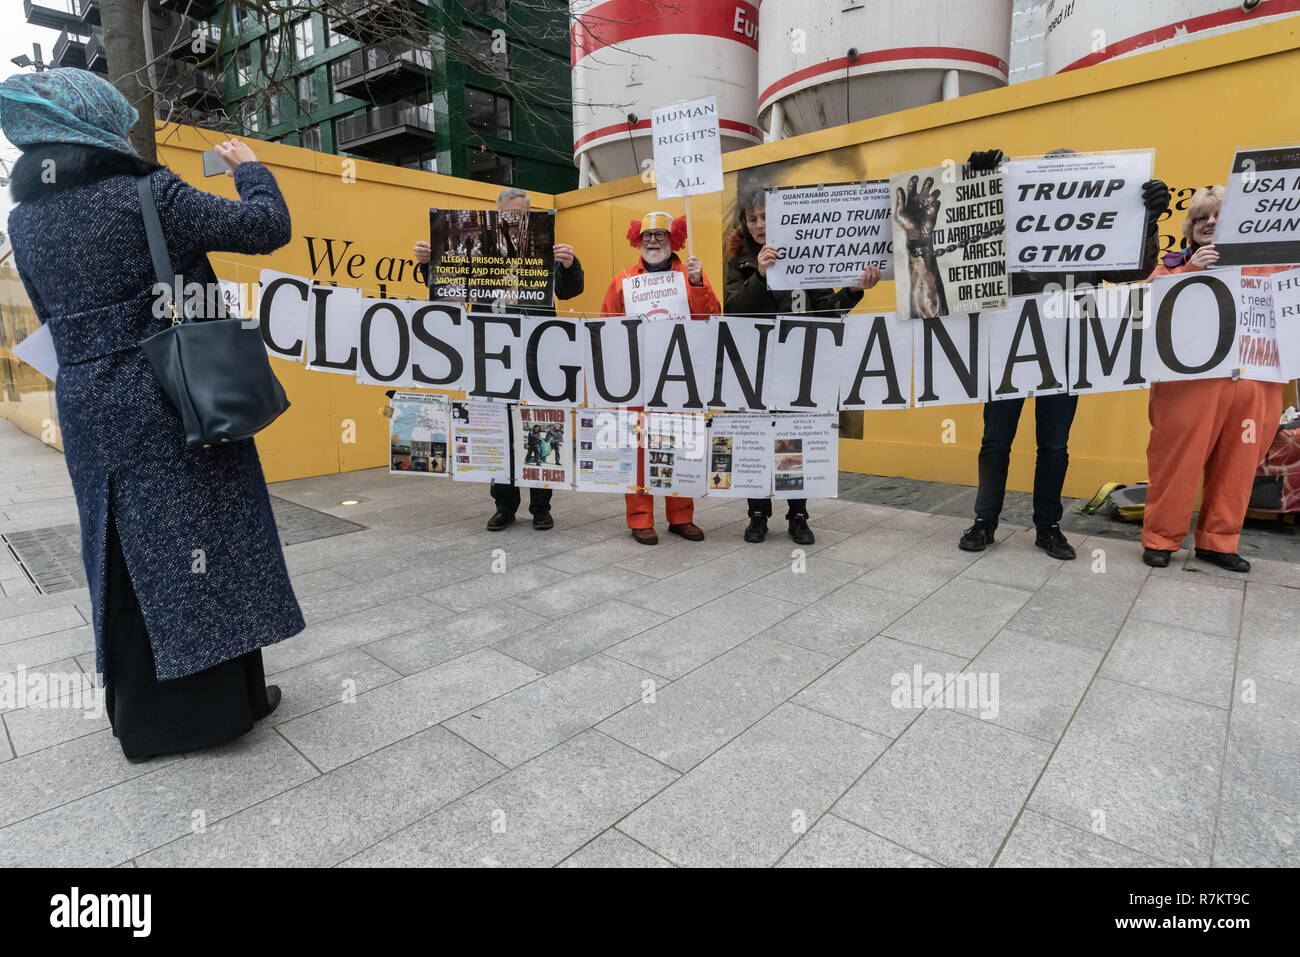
x=1053 y=416
x=762 y=508
x=151 y=717
x=506 y=495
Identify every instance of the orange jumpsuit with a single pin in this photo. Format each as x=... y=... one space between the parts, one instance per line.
x=1219 y=428
x=703 y=303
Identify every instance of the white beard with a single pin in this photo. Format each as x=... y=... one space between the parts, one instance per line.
x=656 y=259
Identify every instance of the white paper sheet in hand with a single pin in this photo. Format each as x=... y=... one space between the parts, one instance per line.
x=37 y=350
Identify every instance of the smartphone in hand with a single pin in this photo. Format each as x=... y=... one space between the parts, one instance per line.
x=213 y=164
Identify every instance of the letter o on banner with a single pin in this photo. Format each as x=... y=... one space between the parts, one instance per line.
x=1227 y=309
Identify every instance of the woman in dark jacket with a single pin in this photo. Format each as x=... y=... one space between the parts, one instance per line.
x=182 y=557
x=746 y=293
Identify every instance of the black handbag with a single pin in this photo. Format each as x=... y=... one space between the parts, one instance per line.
x=216 y=372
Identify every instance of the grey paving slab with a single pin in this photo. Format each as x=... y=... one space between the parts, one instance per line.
x=1259 y=811
x=352 y=598
x=31 y=601
x=1267 y=715
x=45 y=649
x=694 y=716
x=1036 y=684
x=1173 y=660
x=749 y=802
x=599 y=555
x=50 y=723
x=557 y=644
x=6 y=749
x=451 y=637
x=834 y=842
x=333 y=816
x=328 y=638
x=614 y=849
x=581 y=591
x=812 y=578
x=673 y=554
x=525 y=722
x=21 y=687
x=1142 y=767
x=319 y=684
x=346 y=731
x=1016 y=562
x=148 y=811
x=874 y=687
x=1187 y=604
x=704 y=583
x=960 y=617
x=308 y=584
x=492 y=589
x=873 y=547
x=534 y=816
x=39 y=623
x=1269 y=648
x=1078 y=608
x=1038 y=841
x=949 y=788
x=684 y=643
x=915 y=572
x=843 y=620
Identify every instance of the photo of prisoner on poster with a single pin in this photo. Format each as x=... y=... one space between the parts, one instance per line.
x=720 y=463
x=949 y=241
x=542 y=444
x=482 y=255
x=788 y=461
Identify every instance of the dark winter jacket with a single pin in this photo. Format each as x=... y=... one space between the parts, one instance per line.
x=745 y=291
x=196 y=527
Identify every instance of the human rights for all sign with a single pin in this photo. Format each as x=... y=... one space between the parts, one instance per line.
x=688 y=151
x=826 y=236
x=1077 y=212
x=1260 y=220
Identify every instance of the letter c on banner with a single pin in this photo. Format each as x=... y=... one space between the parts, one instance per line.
x=1227 y=309
x=264 y=314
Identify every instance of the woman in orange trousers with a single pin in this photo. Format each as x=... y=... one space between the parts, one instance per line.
x=1216 y=428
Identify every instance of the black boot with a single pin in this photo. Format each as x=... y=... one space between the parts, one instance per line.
x=1049 y=538
x=1156 y=557
x=976 y=538
x=543 y=520
x=757 y=530
x=800 y=532
x=500 y=520
x=1229 y=560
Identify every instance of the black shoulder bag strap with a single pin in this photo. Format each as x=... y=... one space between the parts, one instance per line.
x=162 y=263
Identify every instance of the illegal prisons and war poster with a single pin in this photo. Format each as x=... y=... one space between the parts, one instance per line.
x=491 y=257
x=949 y=241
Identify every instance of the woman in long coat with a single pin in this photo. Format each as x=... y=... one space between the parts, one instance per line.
x=182 y=557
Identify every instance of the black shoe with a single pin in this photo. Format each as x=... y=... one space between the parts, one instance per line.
x=800 y=532
x=543 y=520
x=976 y=538
x=500 y=520
x=1156 y=557
x=757 y=530
x=1049 y=537
x=272 y=699
x=1229 y=560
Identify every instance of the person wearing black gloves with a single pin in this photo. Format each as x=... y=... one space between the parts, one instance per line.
x=567 y=282
x=1053 y=414
x=746 y=293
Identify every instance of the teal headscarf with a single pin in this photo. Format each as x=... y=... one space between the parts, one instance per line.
x=65 y=105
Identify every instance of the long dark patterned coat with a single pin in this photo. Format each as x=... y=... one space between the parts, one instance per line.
x=195 y=525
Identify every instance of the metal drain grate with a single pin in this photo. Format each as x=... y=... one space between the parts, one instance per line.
x=298 y=523
x=51 y=557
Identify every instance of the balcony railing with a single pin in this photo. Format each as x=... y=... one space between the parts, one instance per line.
x=96 y=58
x=363 y=19
x=69 y=50
x=195 y=8
x=380 y=127
x=177 y=36
x=54 y=14
x=89 y=10
x=381 y=64
x=193 y=85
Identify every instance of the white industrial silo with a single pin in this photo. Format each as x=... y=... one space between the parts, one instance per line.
x=631 y=56
x=1082 y=33
x=826 y=62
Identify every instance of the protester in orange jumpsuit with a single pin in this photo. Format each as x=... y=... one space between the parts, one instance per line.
x=1217 y=427
x=658 y=236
